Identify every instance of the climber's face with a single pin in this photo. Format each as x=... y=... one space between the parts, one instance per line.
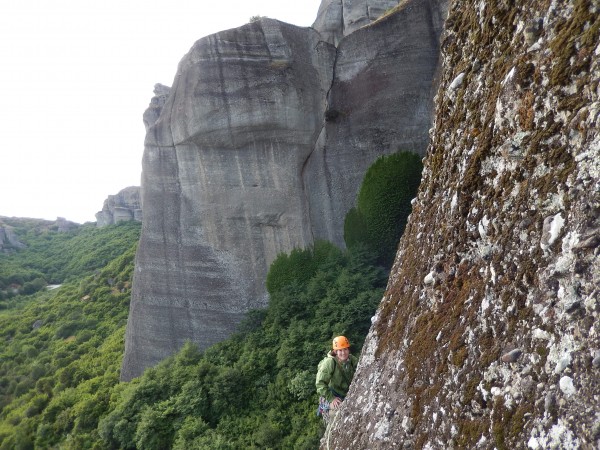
x=342 y=354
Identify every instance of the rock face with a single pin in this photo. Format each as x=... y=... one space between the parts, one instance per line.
x=339 y=18
x=488 y=335
x=380 y=102
x=222 y=181
x=152 y=113
x=122 y=207
x=64 y=226
x=9 y=241
x=241 y=165
x=9 y=238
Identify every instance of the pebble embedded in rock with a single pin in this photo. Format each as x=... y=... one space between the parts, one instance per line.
x=512 y=356
x=550 y=401
x=563 y=363
x=457 y=81
x=566 y=386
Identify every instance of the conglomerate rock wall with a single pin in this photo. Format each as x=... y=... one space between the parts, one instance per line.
x=242 y=161
x=488 y=335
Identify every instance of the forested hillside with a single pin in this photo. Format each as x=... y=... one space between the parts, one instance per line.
x=62 y=348
x=51 y=256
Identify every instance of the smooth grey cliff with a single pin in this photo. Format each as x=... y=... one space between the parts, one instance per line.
x=222 y=185
x=380 y=102
x=242 y=163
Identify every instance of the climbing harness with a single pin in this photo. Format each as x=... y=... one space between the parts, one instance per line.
x=323 y=409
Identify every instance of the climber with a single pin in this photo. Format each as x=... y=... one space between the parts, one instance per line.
x=334 y=375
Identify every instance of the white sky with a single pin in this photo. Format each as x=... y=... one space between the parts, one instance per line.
x=78 y=75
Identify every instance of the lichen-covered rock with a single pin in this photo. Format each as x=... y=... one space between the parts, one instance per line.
x=122 y=207
x=505 y=229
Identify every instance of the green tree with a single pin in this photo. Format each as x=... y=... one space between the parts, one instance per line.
x=384 y=204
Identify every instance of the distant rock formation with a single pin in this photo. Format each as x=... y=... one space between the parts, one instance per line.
x=122 y=207
x=8 y=239
x=489 y=334
x=64 y=226
x=261 y=147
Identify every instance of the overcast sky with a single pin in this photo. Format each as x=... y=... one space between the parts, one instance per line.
x=77 y=76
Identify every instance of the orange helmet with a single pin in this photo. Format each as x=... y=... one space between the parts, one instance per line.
x=340 y=342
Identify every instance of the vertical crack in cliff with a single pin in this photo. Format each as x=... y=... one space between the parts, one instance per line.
x=314 y=144
x=342 y=25
x=173 y=323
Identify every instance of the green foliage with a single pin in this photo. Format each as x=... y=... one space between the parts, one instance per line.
x=59 y=379
x=355 y=228
x=61 y=349
x=384 y=204
x=256 y=389
x=53 y=257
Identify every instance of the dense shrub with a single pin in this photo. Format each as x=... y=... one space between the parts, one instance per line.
x=384 y=204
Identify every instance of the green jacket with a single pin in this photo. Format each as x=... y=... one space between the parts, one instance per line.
x=333 y=375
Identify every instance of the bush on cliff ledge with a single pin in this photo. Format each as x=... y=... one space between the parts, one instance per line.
x=384 y=204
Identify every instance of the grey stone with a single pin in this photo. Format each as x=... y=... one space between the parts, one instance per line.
x=551 y=229
x=222 y=184
x=596 y=361
x=124 y=206
x=512 y=356
x=339 y=18
x=64 y=226
x=382 y=95
x=563 y=363
x=457 y=81
x=550 y=403
x=9 y=239
x=330 y=21
x=533 y=30
x=240 y=167
x=589 y=240
x=566 y=386
x=152 y=113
